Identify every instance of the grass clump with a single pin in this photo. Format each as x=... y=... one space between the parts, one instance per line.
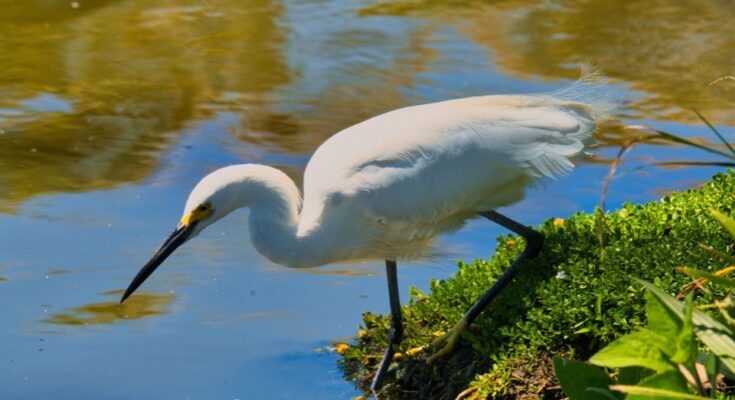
x=570 y=301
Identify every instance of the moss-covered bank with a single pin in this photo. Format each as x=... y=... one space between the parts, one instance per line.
x=569 y=301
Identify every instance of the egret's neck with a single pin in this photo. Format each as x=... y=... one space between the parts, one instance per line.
x=275 y=203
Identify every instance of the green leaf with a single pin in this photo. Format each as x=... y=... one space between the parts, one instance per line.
x=690 y=163
x=716 y=336
x=717 y=253
x=712 y=366
x=669 y=380
x=651 y=393
x=716 y=132
x=681 y=140
x=726 y=222
x=686 y=349
x=633 y=375
x=695 y=273
x=576 y=377
x=663 y=321
x=581 y=331
x=606 y=393
x=638 y=349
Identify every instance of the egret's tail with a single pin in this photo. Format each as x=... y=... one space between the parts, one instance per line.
x=589 y=102
x=592 y=92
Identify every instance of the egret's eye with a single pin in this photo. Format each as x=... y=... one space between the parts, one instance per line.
x=204 y=207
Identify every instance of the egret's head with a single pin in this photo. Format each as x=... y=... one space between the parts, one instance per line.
x=214 y=197
x=217 y=195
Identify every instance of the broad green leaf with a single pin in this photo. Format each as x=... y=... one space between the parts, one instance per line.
x=633 y=375
x=669 y=380
x=716 y=336
x=686 y=349
x=576 y=377
x=708 y=276
x=663 y=321
x=652 y=393
x=726 y=222
x=605 y=392
x=638 y=349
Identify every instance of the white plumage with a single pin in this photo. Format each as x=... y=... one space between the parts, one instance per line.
x=383 y=188
x=413 y=173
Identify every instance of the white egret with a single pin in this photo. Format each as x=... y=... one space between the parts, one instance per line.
x=384 y=188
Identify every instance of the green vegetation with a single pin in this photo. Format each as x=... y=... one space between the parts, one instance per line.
x=662 y=360
x=569 y=302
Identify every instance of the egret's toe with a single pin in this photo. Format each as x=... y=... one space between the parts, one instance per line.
x=416 y=350
x=451 y=338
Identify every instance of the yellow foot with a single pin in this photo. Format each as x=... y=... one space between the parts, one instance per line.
x=411 y=352
x=451 y=337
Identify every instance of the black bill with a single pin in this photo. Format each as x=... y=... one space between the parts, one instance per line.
x=175 y=240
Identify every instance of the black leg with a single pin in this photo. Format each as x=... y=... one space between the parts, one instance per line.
x=396 y=327
x=534 y=241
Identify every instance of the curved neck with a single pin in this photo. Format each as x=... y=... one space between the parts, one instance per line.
x=275 y=203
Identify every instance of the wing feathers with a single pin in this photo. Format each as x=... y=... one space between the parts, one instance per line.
x=428 y=162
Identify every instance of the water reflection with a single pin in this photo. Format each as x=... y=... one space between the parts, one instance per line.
x=670 y=51
x=244 y=317
x=110 y=312
x=93 y=100
x=94 y=96
x=39 y=11
x=58 y=271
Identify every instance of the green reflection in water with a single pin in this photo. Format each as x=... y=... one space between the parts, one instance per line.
x=670 y=50
x=125 y=78
x=110 y=312
x=3 y=278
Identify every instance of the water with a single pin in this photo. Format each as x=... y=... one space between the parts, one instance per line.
x=110 y=112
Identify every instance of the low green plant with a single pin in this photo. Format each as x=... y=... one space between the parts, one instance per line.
x=662 y=361
x=567 y=302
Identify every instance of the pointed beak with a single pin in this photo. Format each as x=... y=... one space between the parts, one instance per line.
x=176 y=239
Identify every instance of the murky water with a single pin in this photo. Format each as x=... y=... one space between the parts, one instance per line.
x=110 y=111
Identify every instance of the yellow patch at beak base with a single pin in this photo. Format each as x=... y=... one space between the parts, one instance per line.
x=197 y=215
